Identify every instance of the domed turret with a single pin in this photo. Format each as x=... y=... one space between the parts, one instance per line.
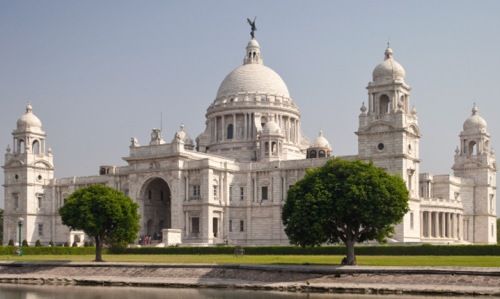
x=29 y=120
x=271 y=128
x=320 y=148
x=474 y=123
x=389 y=69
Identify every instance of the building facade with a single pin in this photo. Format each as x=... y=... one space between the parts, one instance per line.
x=230 y=184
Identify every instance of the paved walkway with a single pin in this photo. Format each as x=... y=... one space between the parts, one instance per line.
x=330 y=279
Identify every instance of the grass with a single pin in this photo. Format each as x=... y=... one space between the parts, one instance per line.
x=466 y=261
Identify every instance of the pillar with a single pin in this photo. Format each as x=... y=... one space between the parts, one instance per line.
x=223 y=128
x=429 y=224
x=421 y=224
x=235 y=129
x=245 y=126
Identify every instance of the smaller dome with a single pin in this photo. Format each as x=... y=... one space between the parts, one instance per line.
x=475 y=122
x=321 y=142
x=389 y=69
x=253 y=43
x=28 y=120
x=271 y=127
x=183 y=135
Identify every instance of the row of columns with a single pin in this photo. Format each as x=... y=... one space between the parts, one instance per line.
x=289 y=124
x=442 y=225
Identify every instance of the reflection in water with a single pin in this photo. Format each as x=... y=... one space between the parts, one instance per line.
x=80 y=292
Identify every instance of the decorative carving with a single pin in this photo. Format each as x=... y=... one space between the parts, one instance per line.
x=134 y=142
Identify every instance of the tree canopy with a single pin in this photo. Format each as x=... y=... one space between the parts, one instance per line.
x=103 y=213
x=344 y=201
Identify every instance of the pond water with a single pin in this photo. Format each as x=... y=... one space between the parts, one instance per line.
x=86 y=292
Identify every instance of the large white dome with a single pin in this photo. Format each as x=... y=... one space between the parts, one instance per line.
x=253 y=78
x=475 y=123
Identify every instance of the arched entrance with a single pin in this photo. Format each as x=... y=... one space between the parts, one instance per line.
x=156 y=208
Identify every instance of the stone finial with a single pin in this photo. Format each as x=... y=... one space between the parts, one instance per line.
x=363 y=108
x=475 y=109
x=414 y=110
x=388 y=52
x=49 y=151
x=457 y=151
x=29 y=108
x=8 y=150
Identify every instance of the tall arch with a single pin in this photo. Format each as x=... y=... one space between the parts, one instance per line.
x=156 y=206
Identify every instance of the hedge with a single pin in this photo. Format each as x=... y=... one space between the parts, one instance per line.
x=56 y=250
x=470 y=250
x=325 y=250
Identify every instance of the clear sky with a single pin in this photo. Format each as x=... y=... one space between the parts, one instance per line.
x=100 y=72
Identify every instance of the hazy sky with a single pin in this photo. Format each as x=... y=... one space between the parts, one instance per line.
x=100 y=72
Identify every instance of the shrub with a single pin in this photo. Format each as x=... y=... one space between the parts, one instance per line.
x=11 y=242
x=74 y=244
x=51 y=244
x=25 y=243
x=38 y=243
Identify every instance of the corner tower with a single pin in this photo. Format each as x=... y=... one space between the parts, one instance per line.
x=475 y=159
x=28 y=170
x=389 y=135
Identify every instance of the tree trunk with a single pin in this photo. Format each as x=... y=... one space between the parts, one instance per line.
x=98 y=249
x=351 y=257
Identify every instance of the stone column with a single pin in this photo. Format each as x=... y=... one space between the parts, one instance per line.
x=215 y=128
x=441 y=224
x=429 y=224
x=223 y=128
x=235 y=129
x=421 y=224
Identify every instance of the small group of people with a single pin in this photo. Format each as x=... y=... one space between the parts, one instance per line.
x=147 y=239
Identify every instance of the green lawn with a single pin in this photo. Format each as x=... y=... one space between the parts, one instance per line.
x=469 y=261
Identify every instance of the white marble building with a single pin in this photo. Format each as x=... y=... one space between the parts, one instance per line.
x=229 y=185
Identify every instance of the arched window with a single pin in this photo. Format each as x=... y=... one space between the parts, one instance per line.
x=472 y=150
x=384 y=104
x=266 y=148
x=230 y=131
x=36 y=147
x=274 y=148
x=312 y=154
x=321 y=154
x=22 y=146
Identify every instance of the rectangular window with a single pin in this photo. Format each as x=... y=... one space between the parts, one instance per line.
x=230 y=193
x=242 y=193
x=39 y=198
x=195 y=191
x=492 y=207
x=16 y=200
x=230 y=225
x=264 y=193
x=242 y=226
x=215 y=192
x=215 y=226
x=40 y=229
x=411 y=220
x=195 y=225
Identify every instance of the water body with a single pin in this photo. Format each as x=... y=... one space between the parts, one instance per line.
x=81 y=292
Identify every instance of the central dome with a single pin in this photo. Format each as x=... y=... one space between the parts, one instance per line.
x=253 y=78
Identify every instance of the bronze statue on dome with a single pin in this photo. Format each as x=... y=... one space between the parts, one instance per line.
x=252 y=27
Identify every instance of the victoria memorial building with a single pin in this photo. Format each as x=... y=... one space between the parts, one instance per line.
x=229 y=184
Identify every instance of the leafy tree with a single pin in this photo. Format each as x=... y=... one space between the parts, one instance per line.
x=344 y=201
x=1 y=225
x=103 y=213
x=498 y=227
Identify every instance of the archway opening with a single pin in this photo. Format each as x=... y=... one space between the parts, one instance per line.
x=156 y=208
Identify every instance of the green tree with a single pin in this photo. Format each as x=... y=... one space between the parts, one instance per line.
x=1 y=225
x=103 y=213
x=344 y=201
x=498 y=227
